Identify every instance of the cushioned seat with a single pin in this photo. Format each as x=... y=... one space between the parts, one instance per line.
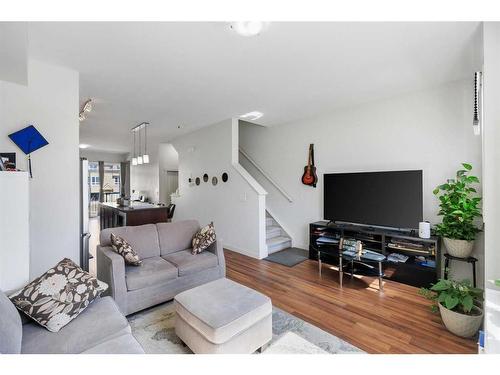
x=152 y=271
x=98 y=323
x=122 y=344
x=222 y=310
x=188 y=263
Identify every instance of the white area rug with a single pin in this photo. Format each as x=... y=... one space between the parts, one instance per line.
x=291 y=343
x=154 y=329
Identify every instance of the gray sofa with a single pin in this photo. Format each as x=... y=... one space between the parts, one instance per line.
x=99 y=329
x=168 y=267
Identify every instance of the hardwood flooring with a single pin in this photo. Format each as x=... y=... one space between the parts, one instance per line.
x=395 y=321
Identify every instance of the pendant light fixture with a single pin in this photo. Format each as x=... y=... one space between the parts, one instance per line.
x=134 y=159
x=145 y=157
x=139 y=155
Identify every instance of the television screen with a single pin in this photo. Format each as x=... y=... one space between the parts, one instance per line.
x=387 y=199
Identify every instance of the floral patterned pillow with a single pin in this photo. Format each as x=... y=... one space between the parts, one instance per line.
x=123 y=248
x=59 y=295
x=203 y=239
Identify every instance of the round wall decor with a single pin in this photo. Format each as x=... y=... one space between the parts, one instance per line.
x=197 y=180
x=225 y=177
x=214 y=181
x=205 y=177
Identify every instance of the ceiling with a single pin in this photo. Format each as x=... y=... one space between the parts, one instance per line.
x=193 y=74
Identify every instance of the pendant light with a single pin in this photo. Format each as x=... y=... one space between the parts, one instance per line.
x=134 y=159
x=139 y=156
x=145 y=157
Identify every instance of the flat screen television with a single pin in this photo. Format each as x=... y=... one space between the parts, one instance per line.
x=384 y=199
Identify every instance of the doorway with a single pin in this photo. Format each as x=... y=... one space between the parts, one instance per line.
x=171 y=184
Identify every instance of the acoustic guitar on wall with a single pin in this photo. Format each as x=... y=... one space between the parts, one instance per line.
x=309 y=177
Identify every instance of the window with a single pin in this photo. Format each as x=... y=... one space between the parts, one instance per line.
x=94 y=180
x=116 y=180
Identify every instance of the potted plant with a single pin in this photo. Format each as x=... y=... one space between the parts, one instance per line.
x=459 y=208
x=459 y=304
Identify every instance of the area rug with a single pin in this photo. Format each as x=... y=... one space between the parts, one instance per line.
x=289 y=257
x=154 y=329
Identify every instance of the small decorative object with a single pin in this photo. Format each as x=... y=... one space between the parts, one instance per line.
x=59 y=295
x=28 y=140
x=225 y=177
x=309 y=177
x=197 y=181
x=424 y=229
x=214 y=181
x=459 y=305
x=203 y=238
x=459 y=208
x=190 y=180
x=205 y=177
x=122 y=247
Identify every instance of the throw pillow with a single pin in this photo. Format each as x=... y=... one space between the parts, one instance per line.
x=203 y=238
x=58 y=296
x=123 y=248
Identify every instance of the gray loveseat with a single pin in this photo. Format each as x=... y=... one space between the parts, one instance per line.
x=99 y=329
x=168 y=267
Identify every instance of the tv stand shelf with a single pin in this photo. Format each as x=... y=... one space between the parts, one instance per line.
x=422 y=267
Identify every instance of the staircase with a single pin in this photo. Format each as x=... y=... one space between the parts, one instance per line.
x=276 y=237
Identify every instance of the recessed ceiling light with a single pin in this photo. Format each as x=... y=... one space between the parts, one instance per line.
x=83 y=145
x=252 y=116
x=249 y=28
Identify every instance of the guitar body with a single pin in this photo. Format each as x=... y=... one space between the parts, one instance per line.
x=310 y=177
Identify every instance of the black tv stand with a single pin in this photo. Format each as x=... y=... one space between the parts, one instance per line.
x=422 y=267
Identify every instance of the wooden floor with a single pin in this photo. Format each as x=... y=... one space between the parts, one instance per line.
x=395 y=321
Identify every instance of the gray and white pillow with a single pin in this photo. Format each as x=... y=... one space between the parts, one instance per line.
x=59 y=295
x=123 y=248
x=203 y=239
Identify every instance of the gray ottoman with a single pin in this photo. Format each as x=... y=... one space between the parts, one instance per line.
x=223 y=317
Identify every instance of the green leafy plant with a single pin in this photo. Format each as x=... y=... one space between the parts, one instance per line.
x=459 y=206
x=457 y=296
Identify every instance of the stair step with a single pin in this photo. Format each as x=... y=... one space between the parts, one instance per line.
x=278 y=243
x=273 y=231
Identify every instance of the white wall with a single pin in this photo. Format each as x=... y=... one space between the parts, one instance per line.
x=14 y=52
x=50 y=102
x=237 y=206
x=111 y=157
x=14 y=230
x=491 y=130
x=429 y=130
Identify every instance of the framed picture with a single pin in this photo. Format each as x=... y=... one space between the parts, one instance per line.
x=8 y=160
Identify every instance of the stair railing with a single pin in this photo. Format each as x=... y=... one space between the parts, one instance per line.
x=266 y=175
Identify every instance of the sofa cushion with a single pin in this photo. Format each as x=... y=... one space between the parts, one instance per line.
x=222 y=309
x=58 y=296
x=142 y=238
x=100 y=322
x=176 y=236
x=124 y=344
x=203 y=238
x=153 y=271
x=187 y=263
x=122 y=247
x=11 y=330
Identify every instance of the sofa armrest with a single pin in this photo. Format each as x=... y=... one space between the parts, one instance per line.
x=111 y=270
x=217 y=249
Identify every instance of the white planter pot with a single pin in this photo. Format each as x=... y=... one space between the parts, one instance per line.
x=460 y=324
x=458 y=248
